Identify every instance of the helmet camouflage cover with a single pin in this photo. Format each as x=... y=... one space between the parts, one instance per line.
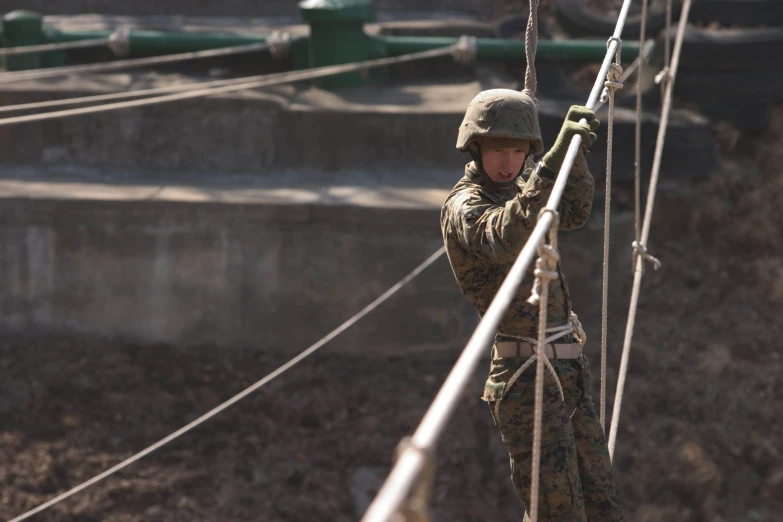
x=501 y=113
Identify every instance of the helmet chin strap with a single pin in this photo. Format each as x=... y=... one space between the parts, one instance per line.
x=475 y=153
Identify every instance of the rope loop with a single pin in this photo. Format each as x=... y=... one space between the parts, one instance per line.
x=555 y=214
x=416 y=507
x=640 y=250
x=465 y=50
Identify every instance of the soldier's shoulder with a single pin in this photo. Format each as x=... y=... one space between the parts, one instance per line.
x=463 y=191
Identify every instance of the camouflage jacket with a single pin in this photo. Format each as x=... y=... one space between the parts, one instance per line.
x=486 y=224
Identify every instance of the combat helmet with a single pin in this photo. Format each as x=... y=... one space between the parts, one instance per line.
x=501 y=113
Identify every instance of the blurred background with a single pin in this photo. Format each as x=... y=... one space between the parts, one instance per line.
x=157 y=259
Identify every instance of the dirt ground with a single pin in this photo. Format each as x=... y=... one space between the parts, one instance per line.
x=700 y=438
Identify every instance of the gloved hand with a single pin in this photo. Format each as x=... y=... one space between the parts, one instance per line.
x=553 y=159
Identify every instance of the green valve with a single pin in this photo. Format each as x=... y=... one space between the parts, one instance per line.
x=337 y=36
x=22 y=28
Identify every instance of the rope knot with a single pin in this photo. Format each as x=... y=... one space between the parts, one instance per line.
x=663 y=77
x=579 y=331
x=546 y=270
x=465 y=50
x=613 y=81
x=640 y=250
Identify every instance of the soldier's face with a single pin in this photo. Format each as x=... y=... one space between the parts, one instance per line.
x=503 y=164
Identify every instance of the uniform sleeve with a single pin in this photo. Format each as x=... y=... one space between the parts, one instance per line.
x=491 y=232
x=577 y=200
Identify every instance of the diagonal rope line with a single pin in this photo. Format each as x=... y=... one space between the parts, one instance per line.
x=133 y=63
x=644 y=56
x=639 y=261
x=240 y=85
x=29 y=49
x=247 y=391
x=139 y=93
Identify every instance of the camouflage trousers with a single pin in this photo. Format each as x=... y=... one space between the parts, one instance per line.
x=576 y=481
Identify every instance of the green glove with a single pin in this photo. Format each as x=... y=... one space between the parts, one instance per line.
x=553 y=159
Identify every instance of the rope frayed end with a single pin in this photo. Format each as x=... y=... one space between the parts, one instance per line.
x=640 y=250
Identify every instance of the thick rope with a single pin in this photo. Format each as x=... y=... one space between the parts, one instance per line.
x=139 y=93
x=612 y=85
x=29 y=49
x=247 y=391
x=638 y=271
x=133 y=63
x=546 y=271
x=531 y=43
x=239 y=85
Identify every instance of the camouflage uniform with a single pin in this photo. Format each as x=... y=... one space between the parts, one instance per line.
x=485 y=225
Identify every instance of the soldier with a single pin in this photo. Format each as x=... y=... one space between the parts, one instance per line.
x=485 y=222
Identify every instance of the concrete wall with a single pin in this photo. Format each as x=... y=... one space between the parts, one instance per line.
x=261 y=275
x=266 y=276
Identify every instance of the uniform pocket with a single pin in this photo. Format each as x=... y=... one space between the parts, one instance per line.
x=493 y=391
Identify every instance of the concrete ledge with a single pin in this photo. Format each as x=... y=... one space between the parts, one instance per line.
x=295 y=127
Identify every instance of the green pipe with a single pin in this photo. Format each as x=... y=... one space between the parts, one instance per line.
x=497 y=49
x=160 y=42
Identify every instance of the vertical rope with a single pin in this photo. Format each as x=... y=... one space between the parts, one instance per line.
x=666 y=44
x=640 y=259
x=539 y=410
x=613 y=82
x=665 y=76
x=605 y=279
x=638 y=150
x=531 y=43
x=546 y=271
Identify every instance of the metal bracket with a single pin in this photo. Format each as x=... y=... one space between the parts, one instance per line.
x=119 y=41
x=279 y=44
x=466 y=49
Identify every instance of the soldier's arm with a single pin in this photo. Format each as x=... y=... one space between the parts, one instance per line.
x=577 y=200
x=491 y=232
